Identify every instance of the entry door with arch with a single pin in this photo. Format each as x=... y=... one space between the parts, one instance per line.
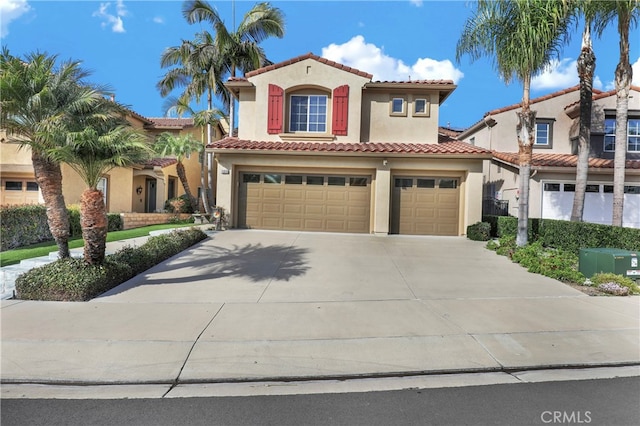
x=150 y=202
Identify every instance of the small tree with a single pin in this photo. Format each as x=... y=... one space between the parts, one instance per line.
x=179 y=146
x=92 y=152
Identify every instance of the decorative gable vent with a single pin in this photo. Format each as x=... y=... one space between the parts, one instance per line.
x=275 y=109
x=340 y=110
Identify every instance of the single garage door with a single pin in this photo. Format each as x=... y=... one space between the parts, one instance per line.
x=557 y=203
x=425 y=205
x=304 y=202
x=19 y=191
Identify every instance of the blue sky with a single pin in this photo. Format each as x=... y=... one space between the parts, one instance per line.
x=121 y=42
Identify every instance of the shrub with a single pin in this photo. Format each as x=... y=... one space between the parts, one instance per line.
x=74 y=280
x=480 y=231
x=181 y=204
x=114 y=222
x=23 y=225
x=602 y=279
x=71 y=280
x=558 y=264
x=502 y=226
x=572 y=236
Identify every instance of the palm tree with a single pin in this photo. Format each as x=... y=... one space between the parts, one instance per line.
x=181 y=146
x=201 y=119
x=198 y=70
x=627 y=12
x=586 y=65
x=92 y=149
x=239 y=50
x=37 y=99
x=521 y=37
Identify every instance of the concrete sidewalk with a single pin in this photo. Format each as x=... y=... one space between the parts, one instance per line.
x=279 y=306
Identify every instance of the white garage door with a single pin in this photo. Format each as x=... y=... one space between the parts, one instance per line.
x=557 y=202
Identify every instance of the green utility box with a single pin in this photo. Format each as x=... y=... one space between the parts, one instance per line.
x=617 y=261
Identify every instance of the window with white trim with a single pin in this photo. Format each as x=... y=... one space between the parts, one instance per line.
x=308 y=113
x=421 y=107
x=544 y=134
x=102 y=186
x=633 y=134
x=398 y=106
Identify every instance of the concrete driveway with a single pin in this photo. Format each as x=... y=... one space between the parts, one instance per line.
x=260 y=305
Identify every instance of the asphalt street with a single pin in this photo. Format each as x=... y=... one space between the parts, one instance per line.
x=611 y=402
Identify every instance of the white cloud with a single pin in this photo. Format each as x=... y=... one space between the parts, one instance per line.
x=11 y=10
x=636 y=72
x=416 y=3
x=558 y=75
x=115 y=21
x=158 y=19
x=368 y=57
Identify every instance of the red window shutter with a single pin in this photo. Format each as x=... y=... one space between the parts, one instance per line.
x=274 y=109
x=340 y=110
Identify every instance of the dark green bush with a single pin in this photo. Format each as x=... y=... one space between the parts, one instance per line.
x=23 y=225
x=74 y=280
x=508 y=225
x=572 y=236
x=71 y=280
x=480 y=231
x=114 y=222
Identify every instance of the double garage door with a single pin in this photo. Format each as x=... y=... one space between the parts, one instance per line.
x=304 y=202
x=342 y=203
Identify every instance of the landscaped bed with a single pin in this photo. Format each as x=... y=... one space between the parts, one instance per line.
x=74 y=280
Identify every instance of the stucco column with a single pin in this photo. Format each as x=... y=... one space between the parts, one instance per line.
x=382 y=200
x=224 y=189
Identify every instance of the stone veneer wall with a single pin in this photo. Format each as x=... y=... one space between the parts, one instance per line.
x=137 y=220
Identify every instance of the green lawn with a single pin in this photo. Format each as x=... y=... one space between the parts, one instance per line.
x=11 y=257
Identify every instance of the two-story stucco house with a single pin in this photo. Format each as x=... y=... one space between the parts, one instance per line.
x=142 y=188
x=322 y=147
x=553 y=171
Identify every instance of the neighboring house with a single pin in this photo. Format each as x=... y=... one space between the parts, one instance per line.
x=321 y=147
x=143 y=188
x=554 y=156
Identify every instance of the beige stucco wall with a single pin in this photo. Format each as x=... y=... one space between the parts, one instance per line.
x=469 y=172
x=119 y=188
x=379 y=125
x=301 y=77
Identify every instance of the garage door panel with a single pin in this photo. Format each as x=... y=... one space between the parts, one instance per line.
x=423 y=208
x=312 y=205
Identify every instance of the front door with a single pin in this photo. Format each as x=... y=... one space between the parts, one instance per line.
x=150 y=206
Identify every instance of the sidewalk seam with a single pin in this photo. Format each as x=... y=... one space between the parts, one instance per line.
x=177 y=379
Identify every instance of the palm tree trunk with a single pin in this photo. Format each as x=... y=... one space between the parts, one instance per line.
x=49 y=178
x=623 y=85
x=525 y=129
x=185 y=184
x=93 y=220
x=586 y=68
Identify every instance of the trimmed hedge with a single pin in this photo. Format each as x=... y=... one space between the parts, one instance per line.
x=567 y=235
x=24 y=225
x=74 y=280
x=480 y=231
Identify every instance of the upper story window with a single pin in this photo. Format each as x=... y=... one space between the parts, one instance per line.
x=308 y=113
x=633 y=134
x=421 y=107
x=544 y=134
x=398 y=106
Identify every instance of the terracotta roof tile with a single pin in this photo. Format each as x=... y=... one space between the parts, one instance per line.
x=159 y=162
x=430 y=82
x=308 y=56
x=535 y=100
x=562 y=160
x=449 y=146
x=171 y=122
x=601 y=95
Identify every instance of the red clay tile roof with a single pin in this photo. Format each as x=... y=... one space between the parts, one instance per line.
x=601 y=95
x=536 y=100
x=406 y=82
x=308 y=56
x=452 y=133
x=449 y=147
x=161 y=162
x=562 y=160
x=171 y=122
